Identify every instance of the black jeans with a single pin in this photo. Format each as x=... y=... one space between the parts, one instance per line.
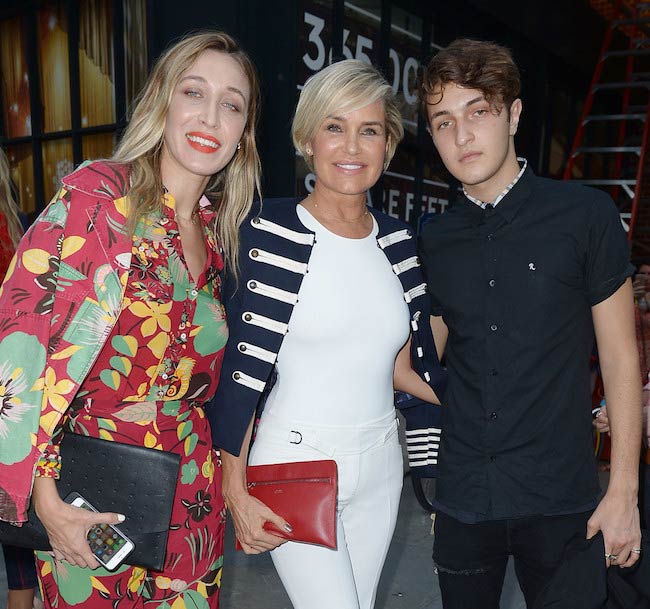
x=21 y=568
x=471 y=559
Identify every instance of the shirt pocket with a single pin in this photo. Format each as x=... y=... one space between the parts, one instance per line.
x=547 y=286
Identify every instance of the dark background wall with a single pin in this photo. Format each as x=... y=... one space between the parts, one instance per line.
x=555 y=43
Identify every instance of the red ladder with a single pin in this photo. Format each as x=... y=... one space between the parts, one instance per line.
x=619 y=94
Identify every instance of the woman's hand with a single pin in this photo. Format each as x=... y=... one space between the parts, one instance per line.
x=601 y=420
x=67 y=526
x=249 y=516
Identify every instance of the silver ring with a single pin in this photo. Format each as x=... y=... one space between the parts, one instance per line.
x=611 y=557
x=636 y=550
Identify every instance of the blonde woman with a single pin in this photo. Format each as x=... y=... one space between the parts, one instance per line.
x=122 y=330
x=332 y=299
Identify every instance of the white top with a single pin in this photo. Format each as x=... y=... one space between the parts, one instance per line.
x=335 y=366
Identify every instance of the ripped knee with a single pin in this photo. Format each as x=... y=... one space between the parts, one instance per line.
x=437 y=569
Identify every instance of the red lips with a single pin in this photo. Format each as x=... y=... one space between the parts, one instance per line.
x=203 y=142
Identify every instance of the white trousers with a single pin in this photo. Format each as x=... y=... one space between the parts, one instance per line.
x=369 y=461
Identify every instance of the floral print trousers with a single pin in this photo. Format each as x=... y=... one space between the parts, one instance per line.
x=192 y=575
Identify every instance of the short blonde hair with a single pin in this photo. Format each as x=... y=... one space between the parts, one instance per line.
x=231 y=190
x=340 y=88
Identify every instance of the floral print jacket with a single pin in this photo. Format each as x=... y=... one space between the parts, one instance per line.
x=61 y=297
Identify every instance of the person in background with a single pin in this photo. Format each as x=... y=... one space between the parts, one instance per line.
x=641 y=285
x=523 y=272
x=121 y=335
x=332 y=298
x=19 y=562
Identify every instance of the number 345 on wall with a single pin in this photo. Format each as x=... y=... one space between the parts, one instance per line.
x=403 y=78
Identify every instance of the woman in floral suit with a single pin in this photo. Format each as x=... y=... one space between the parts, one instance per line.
x=111 y=324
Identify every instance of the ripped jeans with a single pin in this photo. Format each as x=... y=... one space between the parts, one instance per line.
x=471 y=559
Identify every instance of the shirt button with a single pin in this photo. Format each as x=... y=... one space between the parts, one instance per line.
x=490 y=237
x=256 y=220
x=494 y=416
x=252 y=285
x=494 y=327
x=493 y=458
x=236 y=376
x=254 y=253
x=248 y=317
x=194 y=292
x=164 y=376
x=492 y=283
x=242 y=348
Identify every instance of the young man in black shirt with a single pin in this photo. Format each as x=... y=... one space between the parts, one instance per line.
x=523 y=271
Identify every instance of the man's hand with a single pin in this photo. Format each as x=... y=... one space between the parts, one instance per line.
x=617 y=517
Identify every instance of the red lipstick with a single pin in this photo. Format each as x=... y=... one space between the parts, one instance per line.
x=203 y=142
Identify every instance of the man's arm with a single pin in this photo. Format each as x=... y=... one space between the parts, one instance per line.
x=617 y=515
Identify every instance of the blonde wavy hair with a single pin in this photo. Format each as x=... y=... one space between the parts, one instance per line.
x=232 y=189
x=8 y=206
x=341 y=88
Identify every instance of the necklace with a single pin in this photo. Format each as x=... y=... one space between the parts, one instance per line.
x=193 y=218
x=339 y=219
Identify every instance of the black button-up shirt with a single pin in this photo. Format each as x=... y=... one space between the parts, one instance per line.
x=515 y=285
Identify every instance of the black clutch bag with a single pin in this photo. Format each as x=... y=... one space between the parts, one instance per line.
x=135 y=481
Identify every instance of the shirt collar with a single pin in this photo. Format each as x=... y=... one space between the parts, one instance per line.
x=504 y=192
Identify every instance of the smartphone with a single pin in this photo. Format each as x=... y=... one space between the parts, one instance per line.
x=109 y=545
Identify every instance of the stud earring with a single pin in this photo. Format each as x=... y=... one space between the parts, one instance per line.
x=238 y=145
x=308 y=150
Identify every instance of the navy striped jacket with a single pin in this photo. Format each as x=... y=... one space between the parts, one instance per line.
x=274 y=256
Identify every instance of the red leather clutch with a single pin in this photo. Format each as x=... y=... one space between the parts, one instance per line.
x=303 y=493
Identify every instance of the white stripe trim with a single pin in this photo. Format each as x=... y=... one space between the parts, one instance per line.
x=424 y=448
x=248 y=381
x=396 y=237
x=264 y=322
x=422 y=462
x=418 y=290
x=258 y=352
x=423 y=431
x=281 y=231
x=294 y=266
x=405 y=265
x=272 y=292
